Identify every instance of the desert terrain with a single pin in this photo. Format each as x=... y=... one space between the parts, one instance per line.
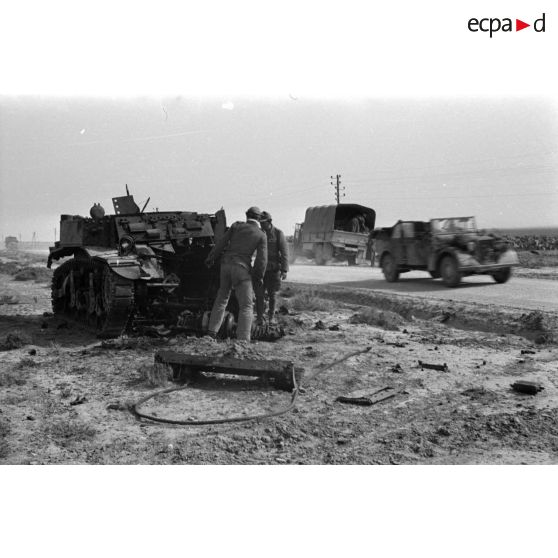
x=65 y=396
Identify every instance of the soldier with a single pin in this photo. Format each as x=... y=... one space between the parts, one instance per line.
x=277 y=267
x=238 y=245
x=353 y=224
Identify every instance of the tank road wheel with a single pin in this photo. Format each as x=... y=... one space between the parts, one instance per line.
x=327 y=252
x=449 y=270
x=114 y=303
x=61 y=290
x=502 y=275
x=389 y=268
x=88 y=292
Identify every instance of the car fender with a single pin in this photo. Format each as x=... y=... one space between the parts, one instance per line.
x=509 y=257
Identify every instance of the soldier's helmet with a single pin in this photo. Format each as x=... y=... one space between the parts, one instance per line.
x=265 y=216
x=254 y=213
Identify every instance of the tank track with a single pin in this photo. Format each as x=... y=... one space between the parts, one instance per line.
x=88 y=292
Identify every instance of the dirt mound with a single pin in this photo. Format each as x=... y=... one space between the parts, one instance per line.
x=536 y=323
x=15 y=340
x=379 y=318
x=308 y=301
x=9 y=268
x=538 y=326
x=38 y=274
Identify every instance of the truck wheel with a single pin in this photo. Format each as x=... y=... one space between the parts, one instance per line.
x=318 y=254
x=327 y=252
x=389 y=268
x=449 y=270
x=502 y=275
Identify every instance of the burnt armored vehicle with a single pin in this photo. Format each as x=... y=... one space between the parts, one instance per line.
x=449 y=248
x=132 y=271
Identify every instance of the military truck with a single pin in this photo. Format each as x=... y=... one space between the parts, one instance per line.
x=135 y=271
x=450 y=248
x=331 y=233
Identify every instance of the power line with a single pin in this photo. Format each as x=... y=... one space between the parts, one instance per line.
x=336 y=187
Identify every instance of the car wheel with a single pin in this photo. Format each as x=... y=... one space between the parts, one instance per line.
x=389 y=268
x=434 y=274
x=449 y=270
x=502 y=275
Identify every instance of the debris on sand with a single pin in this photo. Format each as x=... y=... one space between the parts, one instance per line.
x=526 y=386
x=439 y=367
x=366 y=397
x=78 y=400
x=38 y=274
x=156 y=374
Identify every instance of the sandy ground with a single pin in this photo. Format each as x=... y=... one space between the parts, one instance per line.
x=65 y=395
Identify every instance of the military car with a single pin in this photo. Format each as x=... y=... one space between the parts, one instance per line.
x=450 y=248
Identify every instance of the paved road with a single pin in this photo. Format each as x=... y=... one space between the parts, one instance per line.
x=529 y=294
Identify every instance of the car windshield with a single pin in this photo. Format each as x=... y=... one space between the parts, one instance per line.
x=453 y=224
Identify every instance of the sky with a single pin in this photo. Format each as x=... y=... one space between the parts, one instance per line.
x=408 y=158
x=208 y=105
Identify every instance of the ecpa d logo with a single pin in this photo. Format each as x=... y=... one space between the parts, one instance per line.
x=493 y=25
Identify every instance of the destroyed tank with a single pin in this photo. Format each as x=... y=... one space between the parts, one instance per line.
x=136 y=271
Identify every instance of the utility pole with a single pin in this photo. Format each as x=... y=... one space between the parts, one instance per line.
x=336 y=187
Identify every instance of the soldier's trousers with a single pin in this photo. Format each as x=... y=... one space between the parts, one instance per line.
x=234 y=276
x=271 y=285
